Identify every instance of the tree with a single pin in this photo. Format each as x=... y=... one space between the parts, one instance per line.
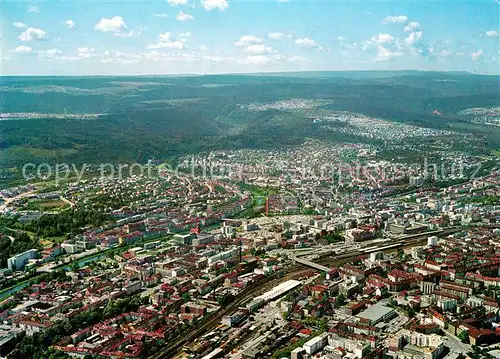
x=410 y=312
x=225 y=299
x=340 y=300
x=111 y=309
x=74 y=267
x=464 y=336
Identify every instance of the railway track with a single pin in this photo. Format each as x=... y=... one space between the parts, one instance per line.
x=249 y=293
x=292 y=272
x=405 y=242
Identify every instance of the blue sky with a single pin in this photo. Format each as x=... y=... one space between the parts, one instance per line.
x=224 y=36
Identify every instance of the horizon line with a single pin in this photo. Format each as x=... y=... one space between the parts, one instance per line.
x=259 y=73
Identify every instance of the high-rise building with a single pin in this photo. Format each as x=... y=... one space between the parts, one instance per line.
x=18 y=261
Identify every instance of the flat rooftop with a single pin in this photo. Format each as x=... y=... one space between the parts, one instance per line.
x=375 y=312
x=280 y=290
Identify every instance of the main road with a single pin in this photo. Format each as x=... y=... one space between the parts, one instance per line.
x=9 y=200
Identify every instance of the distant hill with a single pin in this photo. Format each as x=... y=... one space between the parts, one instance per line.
x=369 y=74
x=144 y=116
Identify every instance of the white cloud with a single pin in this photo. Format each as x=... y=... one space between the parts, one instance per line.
x=71 y=24
x=166 y=36
x=19 y=25
x=161 y=15
x=477 y=55
x=276 y=35
x=113 y=24
x=306 y=42
x=156 y=56
x=153 y=56
x=210 y=5
x=383 y=38
x=177 y=44
x=166 y=41
x=182 y=16
x=412 y=25
x=22 y=49
x=168 y=45
x=385 y=54
x=491 y=33
x=258 y=49
x=177 y=2
x=213 y=58
x=444 y=53
x=185 y=34
x=130 y=33
x=398 y=19
x=298 y=59
x=85 y=52
x=246 y=40
x=32 y=33
x=261 y=59
x=218 y=59
x=33 y=8
x=120 y=57
x=339 y=38
x=54 y=54
x=204 y=48
x=413 y=38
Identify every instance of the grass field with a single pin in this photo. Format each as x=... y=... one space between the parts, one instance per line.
x=45 y=243
x=51 y=203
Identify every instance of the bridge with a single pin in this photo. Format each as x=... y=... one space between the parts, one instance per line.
x=308 y=263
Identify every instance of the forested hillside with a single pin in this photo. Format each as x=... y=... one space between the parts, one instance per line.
x=137 y=118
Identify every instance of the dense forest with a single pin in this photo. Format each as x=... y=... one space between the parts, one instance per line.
x=66 y=223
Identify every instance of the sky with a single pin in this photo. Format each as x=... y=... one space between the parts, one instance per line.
x=223 y=36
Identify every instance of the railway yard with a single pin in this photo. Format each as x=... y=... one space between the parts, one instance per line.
x=292 y=272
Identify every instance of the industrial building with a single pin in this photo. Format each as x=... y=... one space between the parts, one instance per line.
x=280 y=290
x=377 y=313
x=274 y=293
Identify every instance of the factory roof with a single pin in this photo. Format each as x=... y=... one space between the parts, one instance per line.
x=280 y=290
x=375 y=312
